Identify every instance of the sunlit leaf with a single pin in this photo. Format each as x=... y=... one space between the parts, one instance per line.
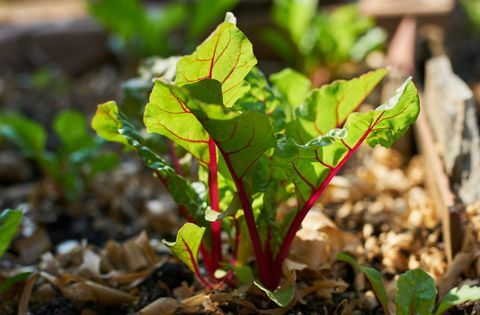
x=312 y=166
x=225 y=56
x=168 y=115
x=458 y=296
x=328 y=107
x=186 y=246
x=241 y=137
x=107 y=123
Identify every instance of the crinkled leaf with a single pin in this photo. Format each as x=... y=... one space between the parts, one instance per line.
x=292 y=85
x=109 y=123
x=168 y=115
x=29 y=136
x=458 y=296
x=7 y=283
x=312 y=166
x=186 y=246
x=373 y=276
x=262 y=98
x=241 y=137
x=416 y=293
x=282 y=297
x=9 y=222
x=328 y=107
x=226 y=56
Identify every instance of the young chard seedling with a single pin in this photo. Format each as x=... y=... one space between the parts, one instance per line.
x=77 y=159
x=256 y=150
x=416 y=292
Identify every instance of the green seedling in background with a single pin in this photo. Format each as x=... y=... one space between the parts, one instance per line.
x=76 y=160
x=9 y=223
x=416 y=292
x=322 y=42
x=472 y=8
x=257 y=146
x=149 y=32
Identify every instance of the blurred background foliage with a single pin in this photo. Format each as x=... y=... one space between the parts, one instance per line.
x=84 y=52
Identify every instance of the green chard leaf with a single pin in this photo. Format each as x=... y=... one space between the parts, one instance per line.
x=241 y=137
x=110 y=124
x=261 y=98
x=9 y=222
x=207 y=12
x=458 y=296
x=313 y=165
x=291 y=85
x=168 y=115
x=282 y=297
x=225 y=56
x=373 y=276
x=328 y=107
x=416 y=293
x=107 y=123
x=28 y=135
x=185 y=248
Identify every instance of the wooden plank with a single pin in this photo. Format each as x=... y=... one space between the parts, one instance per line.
x=401 y=59
x=389 y=8
x=438 y=187
x=451 y=112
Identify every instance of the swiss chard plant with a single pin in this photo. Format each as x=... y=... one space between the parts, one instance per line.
x=158 y=31
x=322 y=42
x=416 y=292
x=255 y=147
x=76 y=160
